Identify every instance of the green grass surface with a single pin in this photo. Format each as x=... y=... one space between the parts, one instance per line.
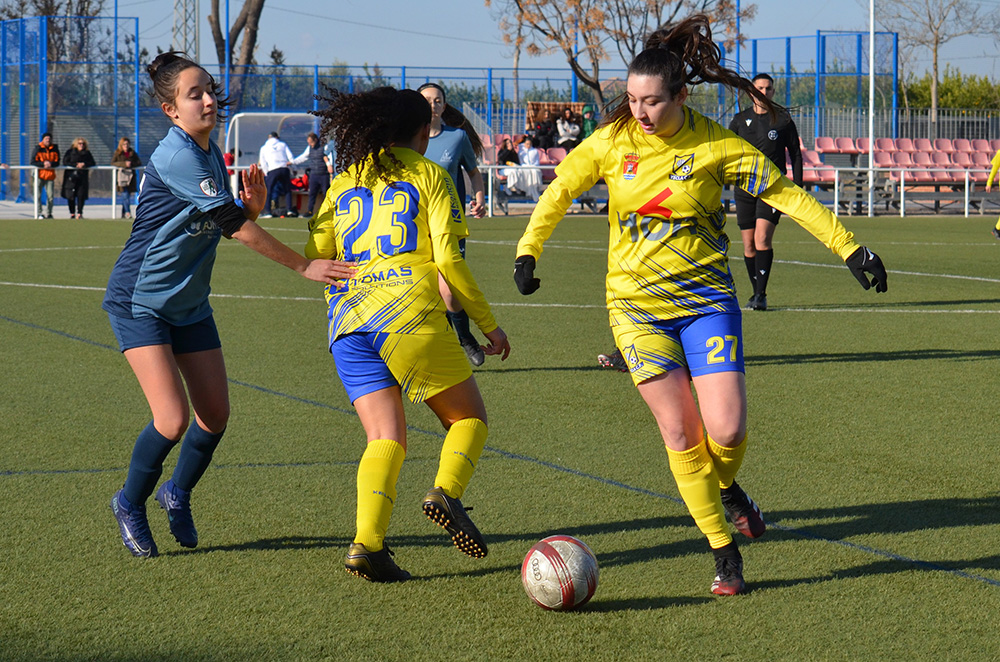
x=873 y=453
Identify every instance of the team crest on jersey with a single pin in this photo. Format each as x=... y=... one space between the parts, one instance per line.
x=683 y=167
x=748 y=120
x=208 y=187
x=772 y=134
x=632 y=357
x=630 y=166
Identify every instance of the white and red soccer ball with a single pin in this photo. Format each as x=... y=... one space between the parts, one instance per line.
x=559 y=573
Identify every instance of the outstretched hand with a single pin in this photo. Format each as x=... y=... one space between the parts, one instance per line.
x=862 y=262
x=254 y=193
x=498 y=344
x=329 y=271
x=524 y=274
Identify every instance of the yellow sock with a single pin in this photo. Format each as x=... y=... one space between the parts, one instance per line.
x=459 y=455
x=998 y=224
x=727 y=461
x=377 y=474
x=699 y=487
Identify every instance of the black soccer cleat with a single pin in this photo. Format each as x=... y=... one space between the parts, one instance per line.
x=728 y=572
x=758 y=302
x=613 y=360
x=743 y=512
x=374 y=566
x=473 y=350
x=448 y=513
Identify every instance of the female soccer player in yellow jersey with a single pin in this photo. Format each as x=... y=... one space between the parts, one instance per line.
x=397 y=215
x=989 y=184
x=670 y=295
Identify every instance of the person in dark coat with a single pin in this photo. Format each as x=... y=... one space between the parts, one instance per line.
x=76 y=181
x=125 y=179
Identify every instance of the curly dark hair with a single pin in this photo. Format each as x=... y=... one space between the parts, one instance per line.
x=365 y=124
x=684 y=54
x=165 y=69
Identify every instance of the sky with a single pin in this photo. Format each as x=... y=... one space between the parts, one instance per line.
x=454 y=33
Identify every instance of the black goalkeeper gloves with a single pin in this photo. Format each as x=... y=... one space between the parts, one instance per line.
x=862 y=262
x=524 y=274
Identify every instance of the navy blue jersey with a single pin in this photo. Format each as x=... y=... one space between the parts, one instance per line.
x=166 y=265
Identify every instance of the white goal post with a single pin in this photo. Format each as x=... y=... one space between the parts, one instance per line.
x=247 y=132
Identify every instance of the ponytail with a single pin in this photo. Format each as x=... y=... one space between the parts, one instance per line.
x=684 y=54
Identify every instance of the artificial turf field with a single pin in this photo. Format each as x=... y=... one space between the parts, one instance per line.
x=873 y=454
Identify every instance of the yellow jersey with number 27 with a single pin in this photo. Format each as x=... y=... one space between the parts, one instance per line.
x=667 y=246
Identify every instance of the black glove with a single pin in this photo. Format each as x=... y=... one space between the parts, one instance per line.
x=524 y=274
x=863 y=260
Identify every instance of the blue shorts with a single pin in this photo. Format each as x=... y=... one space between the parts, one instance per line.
x=703 y=344
x=421 y=364
x=145 y=331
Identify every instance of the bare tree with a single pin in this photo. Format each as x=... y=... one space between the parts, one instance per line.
x=932 y=23
x=583 y=29
x=247 y=20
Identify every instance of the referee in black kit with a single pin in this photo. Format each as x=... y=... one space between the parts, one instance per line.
x=757 y=220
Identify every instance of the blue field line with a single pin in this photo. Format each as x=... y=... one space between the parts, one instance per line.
x=926 y=565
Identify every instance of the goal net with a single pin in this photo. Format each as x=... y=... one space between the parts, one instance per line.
x=247 y=132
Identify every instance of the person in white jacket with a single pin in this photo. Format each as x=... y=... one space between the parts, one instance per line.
x=568 y=130
x=275 y=157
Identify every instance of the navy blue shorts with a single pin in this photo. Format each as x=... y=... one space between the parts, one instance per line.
x=146 y=331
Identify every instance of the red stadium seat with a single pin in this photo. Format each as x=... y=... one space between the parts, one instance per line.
x=995 y=145
x=903 y=159
x=904 y=145
x=962 y=145
x=981 y=160
x=811 y=158
x=981 y=145
x=919 y=175
x=884 y=144
x=557 y=154
x=944 y=145
x=941 y=159
x=922 y=145
x=825 y=145
x=962 y=159
x=845 y=145
x=862 y=145
x=922 y=159
x=498 y=138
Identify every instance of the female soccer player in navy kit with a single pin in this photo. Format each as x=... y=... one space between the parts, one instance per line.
x=157 y=298
x=670 y=295
x=397 y=215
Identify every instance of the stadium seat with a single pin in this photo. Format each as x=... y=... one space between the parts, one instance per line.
x=919 y=176
x=995 y=145
x=922 y=145
x=498 y=138
x=962 y=159
x=811 y=158
x=884 y=145
x=861 y=144
x=487 y=140
x=941 y=159
x=981 y=160
x=845 y=145
x=962 y=145
x=944 y=145
x=922 y=159
x=902 y=159
x=825 y=145
x=904 y=145
x=557 y=154
x=981 y=145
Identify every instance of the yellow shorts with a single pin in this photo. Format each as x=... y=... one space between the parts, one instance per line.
x=422 y=364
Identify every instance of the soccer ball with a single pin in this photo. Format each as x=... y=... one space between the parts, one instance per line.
x=559 y=573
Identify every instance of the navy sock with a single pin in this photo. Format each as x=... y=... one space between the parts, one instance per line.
x=195 y=456
x=460 y=322
x=151 y=449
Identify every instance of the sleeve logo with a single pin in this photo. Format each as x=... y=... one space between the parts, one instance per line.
x=683 y=167
x=630 y=167
x=208 y=187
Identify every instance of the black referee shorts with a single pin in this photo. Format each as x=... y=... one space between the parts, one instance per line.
x=749 y=209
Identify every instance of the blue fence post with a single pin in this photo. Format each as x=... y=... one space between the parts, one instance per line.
x=135 y=99
x=489 y=99
x=402 y=78
x=316 y=88
x=22 y=105
x=503 y=120
x=895 y=84
x=788 y=71
x=858 y=67
x=4 y=114
x=274 y=92
x=115 y=83
x=816 y=99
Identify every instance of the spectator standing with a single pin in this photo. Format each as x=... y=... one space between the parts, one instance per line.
x=76 y=181
x=275 y=157
x=589 y=123
x=530 y=178
x=127 y=160
x=315 y=160
x=568 y=130
x=46 y=157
